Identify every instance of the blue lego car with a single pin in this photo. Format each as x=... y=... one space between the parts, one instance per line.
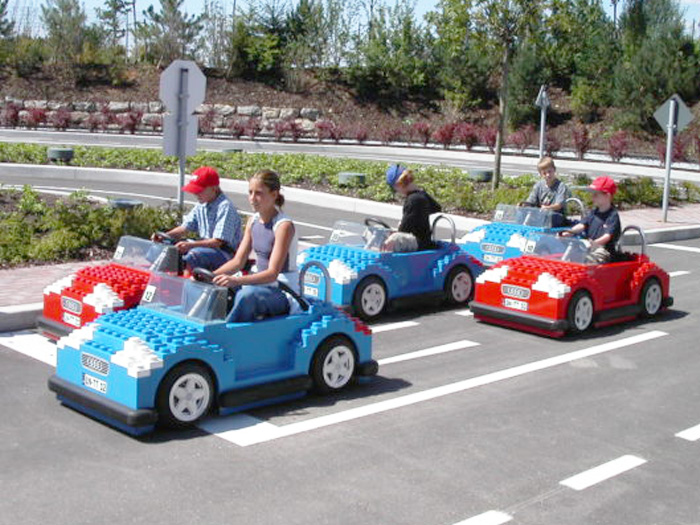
x=366 y=279
x=175 y=358
x=513 y=231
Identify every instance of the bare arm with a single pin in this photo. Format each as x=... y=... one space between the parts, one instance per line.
x=238 y=261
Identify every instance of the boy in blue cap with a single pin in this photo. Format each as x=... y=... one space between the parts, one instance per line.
x=417 y=207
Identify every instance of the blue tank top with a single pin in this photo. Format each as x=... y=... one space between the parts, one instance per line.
x=263 y=236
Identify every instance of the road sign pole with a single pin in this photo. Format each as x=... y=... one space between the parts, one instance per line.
x=543 y=126
x=181 y=136
x=670 y=132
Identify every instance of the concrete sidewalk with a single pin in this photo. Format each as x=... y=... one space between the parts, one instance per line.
x=21 y=297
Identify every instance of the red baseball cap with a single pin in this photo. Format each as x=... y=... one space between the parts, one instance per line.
x=604 y=184
x=204 y=177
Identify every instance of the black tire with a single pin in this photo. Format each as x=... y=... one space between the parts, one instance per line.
x=333 y=365
x=651 y=298
x=580 y=312
x=195 y=380
x=370 y=298
x=459 y=286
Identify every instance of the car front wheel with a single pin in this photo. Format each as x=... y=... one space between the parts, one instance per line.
x=185 y=396
x=459 y=286
x=651 y=298
x=580 y=313
x=370 y=298
x=333 y=365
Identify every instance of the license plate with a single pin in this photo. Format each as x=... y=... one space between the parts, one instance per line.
x=518 y=292
x=493 y=248
x=71 y=319
x=72 y=305
x=312 y=278
x=308 y=290
x=517 y=305
x=492 y=258
x=95 y=384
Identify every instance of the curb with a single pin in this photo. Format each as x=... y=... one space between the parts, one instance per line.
x=21 y=317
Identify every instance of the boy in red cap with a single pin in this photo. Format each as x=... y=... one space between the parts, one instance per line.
x=215 y=220
x=602 y=223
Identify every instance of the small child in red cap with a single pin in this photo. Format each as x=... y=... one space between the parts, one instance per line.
x=602 y=224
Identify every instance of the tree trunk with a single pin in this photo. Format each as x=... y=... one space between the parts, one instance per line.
x=502 y=108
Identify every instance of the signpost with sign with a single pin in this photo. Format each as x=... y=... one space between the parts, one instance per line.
x=673 y=116
x=182 y=88
x=543 y=103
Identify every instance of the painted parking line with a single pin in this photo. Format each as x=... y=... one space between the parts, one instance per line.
x=678 y=273
x=30 y=344
x=450 y=347
x=266 y=432
x=388 y=327
x=492 y=517
x=465 y=313
x=603 y=472
x=690 y=434
x=676 y=247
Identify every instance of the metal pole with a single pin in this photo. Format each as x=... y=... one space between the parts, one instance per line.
x=670 y=131
x=182 y=97
x=543 y=125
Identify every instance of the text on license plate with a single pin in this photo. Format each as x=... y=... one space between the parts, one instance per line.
x=312 y=278
x=513 y=303
x=492 y=258
x=71 y=319
x=95 y=383
x=308 y=290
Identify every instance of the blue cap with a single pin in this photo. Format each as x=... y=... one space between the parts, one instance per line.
x=393 y=174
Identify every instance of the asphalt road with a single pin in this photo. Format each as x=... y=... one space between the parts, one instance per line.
x=490 y=429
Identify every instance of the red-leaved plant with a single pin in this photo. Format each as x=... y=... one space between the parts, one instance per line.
x=617 y=145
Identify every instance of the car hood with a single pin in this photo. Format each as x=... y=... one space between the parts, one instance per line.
x=532 y=272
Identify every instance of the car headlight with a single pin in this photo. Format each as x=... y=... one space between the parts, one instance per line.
x=340 y=272
x=552 y=286
x=103 y=299
x=494 y=275
x=137 y=357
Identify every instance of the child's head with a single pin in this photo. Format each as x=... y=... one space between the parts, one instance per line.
x=399 y=178
x=264 y=191
x=604 y=188
x=547 y=170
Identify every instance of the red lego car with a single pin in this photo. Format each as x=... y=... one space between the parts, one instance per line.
x=563 y=291
x=80 y=298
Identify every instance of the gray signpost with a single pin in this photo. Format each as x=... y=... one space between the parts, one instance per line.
x=182 y=88
x=673 y=116
x=543 y=103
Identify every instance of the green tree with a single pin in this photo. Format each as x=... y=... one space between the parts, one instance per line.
x=502 y=26
x=169 y=33
x=112 y=21
x=6 y=25
x=64 y=21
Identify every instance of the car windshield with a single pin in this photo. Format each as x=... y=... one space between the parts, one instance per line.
x=346 y=233
x=146 y=255
x=554 y=247
x=537 y=217
x=185 y=298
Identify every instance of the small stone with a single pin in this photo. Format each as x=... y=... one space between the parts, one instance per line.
x=118 y=107
x=249 y=111
x=289 y=113
x=310 y=113
x=270 y=113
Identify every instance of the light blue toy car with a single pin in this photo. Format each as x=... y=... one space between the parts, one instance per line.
x=366 y=279
x=175 y=357
x=512 y=232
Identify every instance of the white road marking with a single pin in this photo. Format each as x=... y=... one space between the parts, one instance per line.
x=311 y=237
x=690 y=434
x=676 y=247
x=30 y=344
x=678 y=273
x=378 y=329
x=269 y=433
x=602 y=472
x=465 y=313
x=492 y=517
x=450 y=347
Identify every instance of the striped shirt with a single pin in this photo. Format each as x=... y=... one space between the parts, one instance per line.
x=217 y=219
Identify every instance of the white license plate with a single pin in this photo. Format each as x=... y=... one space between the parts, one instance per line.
x=308 y=290
x=72 y=305
x=71 y=319
x=512 y=303
x=492 y=258
x=95 y=384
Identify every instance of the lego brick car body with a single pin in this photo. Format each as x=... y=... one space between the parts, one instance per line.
x=175 y=357
x=82 y=297
x=366 y=279
x=506 y=236
x=565 y=291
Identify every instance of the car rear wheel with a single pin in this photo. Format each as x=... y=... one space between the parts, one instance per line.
x=333 y=365
x=184 y=396
x=580 y=313
x=651 y=298
x=369 y=300
x=459 y=286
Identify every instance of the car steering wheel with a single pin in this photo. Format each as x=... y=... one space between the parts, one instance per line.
x=369 y=221
x=203 y=275
x=164 y=238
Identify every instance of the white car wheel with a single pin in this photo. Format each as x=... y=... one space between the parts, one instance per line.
x=333 y=365
x=459 y=286
x=370 y=298
x=652 y=298
x=581 y=312
x=184 y=396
